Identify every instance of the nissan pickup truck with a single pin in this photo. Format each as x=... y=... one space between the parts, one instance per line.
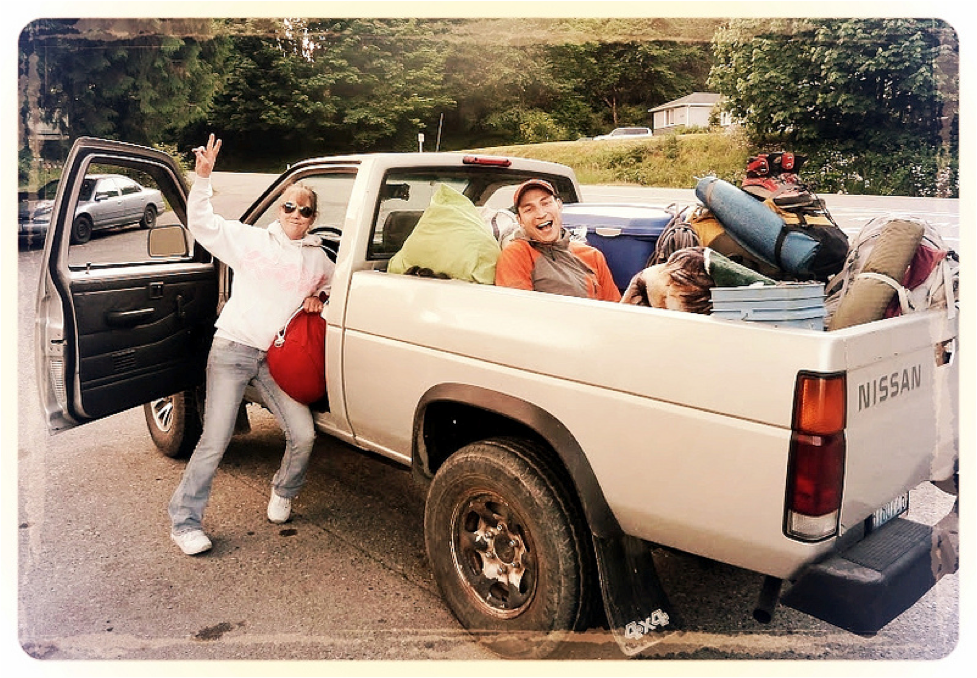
x=561 y=439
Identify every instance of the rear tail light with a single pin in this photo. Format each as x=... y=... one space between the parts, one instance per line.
x=816 y=468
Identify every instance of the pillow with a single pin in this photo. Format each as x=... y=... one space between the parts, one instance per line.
x=450 y=239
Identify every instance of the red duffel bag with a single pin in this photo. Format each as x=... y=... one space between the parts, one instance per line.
x=297 y=357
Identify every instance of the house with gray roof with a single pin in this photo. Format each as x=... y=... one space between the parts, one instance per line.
x=693 y=110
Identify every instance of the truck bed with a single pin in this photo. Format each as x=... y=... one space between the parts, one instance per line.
x=685 y=419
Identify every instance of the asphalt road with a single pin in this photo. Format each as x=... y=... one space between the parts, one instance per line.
x=348 y=578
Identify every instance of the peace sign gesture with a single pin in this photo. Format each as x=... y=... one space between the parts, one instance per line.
x=207 y=156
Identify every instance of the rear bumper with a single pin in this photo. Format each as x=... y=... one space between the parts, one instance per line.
x=874 y=581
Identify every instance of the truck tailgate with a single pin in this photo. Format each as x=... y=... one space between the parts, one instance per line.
x=902 y=426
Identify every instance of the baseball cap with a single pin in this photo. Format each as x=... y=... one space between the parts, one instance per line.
x=532 y=183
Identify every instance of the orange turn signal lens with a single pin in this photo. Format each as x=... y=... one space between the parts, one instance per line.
x=820 y=403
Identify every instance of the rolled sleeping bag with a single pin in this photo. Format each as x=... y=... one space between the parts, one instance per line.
x=727 y=273
x=869 y=294
x=756 y=227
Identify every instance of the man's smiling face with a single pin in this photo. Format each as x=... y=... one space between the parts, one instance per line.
x=540 y=215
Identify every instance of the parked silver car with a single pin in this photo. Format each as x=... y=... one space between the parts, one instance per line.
x=105 y=201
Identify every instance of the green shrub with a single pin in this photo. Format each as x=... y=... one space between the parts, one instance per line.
x=173 y=151
x=916 y=171
x=680 y=160
x=530 y=126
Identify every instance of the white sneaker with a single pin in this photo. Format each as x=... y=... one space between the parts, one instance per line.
x=279 y=508
x=192 y=542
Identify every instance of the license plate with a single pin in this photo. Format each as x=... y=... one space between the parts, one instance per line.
x=894 y=508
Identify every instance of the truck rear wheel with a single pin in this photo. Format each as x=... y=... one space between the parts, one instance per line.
x=174 y=423
x=508 y=548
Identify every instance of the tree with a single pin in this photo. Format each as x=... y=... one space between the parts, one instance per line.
x=139 y=88
x=397 y=86
x=863 y=97
x=804 y=81
x=494 y=85
x=333 y=85
x=614 y=76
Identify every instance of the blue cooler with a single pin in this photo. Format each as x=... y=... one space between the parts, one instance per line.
x=625 y=234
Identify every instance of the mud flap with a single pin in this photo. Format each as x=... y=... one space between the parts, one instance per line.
x=637 y=608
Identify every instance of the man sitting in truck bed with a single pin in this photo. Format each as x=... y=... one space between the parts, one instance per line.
x=542 y=256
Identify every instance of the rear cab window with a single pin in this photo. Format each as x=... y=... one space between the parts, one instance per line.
x=406 y=193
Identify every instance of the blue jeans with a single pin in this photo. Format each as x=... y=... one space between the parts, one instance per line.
x=230 y=368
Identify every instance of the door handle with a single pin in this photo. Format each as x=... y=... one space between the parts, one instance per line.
x=129 y=318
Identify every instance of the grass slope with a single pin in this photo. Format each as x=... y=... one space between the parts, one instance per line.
x=669 y=161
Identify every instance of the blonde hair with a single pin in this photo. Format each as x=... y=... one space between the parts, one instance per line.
x=311 y=194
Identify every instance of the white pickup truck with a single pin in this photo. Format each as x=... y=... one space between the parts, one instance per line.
x=562 y=438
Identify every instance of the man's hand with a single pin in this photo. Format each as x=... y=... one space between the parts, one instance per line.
x=207 y=157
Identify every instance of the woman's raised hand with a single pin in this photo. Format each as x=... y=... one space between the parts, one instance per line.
x=207 y=156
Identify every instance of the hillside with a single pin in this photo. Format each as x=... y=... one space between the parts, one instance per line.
x=672 y=161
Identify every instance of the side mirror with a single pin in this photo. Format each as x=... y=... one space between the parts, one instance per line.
x=168 y=241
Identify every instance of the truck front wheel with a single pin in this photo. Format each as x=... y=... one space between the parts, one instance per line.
x=174 y=423
x=508 y=548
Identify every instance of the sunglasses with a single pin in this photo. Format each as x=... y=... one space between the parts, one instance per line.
x=290 y=207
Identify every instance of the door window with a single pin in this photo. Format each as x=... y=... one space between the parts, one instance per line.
x=98 y=238
x=332 y=191
x=106 y=188
x=128 y=186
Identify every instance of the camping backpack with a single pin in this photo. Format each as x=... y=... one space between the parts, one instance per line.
x=931 y=281
x=792 y=231
x=803 y=211
x=677 y=234
x=773 y=179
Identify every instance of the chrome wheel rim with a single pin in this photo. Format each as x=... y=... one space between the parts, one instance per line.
x=162 y=410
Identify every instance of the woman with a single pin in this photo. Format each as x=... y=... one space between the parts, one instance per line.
x=275 y=270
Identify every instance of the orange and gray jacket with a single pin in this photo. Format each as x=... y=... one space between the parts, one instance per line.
x=565 y=267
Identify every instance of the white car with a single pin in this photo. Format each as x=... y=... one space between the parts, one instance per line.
x=626 y=133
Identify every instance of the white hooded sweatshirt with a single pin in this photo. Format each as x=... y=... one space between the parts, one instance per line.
x=272 y=274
